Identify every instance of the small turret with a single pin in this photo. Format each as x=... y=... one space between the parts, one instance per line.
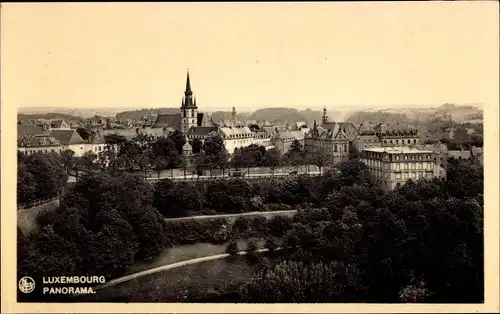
x=187 y=149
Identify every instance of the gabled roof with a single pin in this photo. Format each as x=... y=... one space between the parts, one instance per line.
x=96 y=138
x=202 y=130
x=126 y=133
x=168 y=120
x=38 y=141
x=58 y=124
x=67 y=137
x=156 y=132
x=29 y=130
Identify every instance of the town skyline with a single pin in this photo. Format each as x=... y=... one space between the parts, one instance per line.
x=319 y=60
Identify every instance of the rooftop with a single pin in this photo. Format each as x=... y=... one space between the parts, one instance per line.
x=398 y=150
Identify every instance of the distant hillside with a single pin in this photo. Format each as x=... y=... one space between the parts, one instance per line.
x=227 y=115
x=47 y=116
x=140 y=113
x=86 y=112
x=383 y=117
x=281 y=115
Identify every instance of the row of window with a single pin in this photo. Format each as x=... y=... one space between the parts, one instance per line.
x=398 y=166
x=377 y=173
x=412 y=175
x=43 y=151
x=240 y=135
x=408 y=141
x=188 y=114
x=395 y=157
x=413 y=157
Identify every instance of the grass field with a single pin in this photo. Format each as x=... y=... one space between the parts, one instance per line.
x=186 y=252
x=184 y=284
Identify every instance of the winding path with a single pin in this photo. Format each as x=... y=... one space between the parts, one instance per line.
x=170 y=266
x=270 y=213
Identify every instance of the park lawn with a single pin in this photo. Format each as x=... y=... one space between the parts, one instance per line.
x=183 y=284
x=186 y=252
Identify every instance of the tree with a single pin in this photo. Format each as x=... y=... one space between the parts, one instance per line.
x=160 y=163
x=464 y=178
x=232 y=249
x=238 y=159
x=354 y=152
x=88 y=160
x=296 y=147
x=176 y=199
x=216 y=152
x=294 y=156
x=150 y=235
x=144 y=161
x=179 y=140
x=26 y=184
x=48 y=173
x=197 y=145
x=252 y=254
x=272 y=159
x=321 y=157
x=300 y=282
x=67 y=157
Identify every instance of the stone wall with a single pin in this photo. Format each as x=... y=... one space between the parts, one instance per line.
x=26 y=218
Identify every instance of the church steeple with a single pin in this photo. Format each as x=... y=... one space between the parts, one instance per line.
x=189 y=111
x=188 y=100
x=188 y=91
x=325 y=117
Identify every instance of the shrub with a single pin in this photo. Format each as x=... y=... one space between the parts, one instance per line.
x=279 y=225
x=241 y=227
x=232 y=248
x=252 y=255
x=271 y=244
x=252 y=245
x=197 y=230
x=278 y=207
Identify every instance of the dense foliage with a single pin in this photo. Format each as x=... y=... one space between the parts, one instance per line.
x=103 y=225
x=39 y=176
x=349 y=242
x=422 y=242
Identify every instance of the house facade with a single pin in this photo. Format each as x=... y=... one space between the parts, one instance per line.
x=43 y=144
x=390 y=166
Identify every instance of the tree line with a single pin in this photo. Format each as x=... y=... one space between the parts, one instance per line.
x=146 y=153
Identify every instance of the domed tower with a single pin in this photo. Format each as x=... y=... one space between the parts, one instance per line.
x=187 y=156
x=187 y=149
x=189 y=110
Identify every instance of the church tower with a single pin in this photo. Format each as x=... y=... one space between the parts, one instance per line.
x=233 y=115
x=325 y=117
x=189 y=111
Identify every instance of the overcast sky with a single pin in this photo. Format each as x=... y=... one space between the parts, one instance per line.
x=249 y=55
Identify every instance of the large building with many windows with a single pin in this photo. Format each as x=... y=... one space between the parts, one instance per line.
x=390 y=166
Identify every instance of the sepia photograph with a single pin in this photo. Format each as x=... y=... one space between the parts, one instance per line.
x=250 y=153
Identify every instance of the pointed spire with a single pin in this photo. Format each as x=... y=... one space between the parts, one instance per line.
x=188 y=84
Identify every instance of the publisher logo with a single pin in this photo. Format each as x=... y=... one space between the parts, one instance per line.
x=26 y=285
